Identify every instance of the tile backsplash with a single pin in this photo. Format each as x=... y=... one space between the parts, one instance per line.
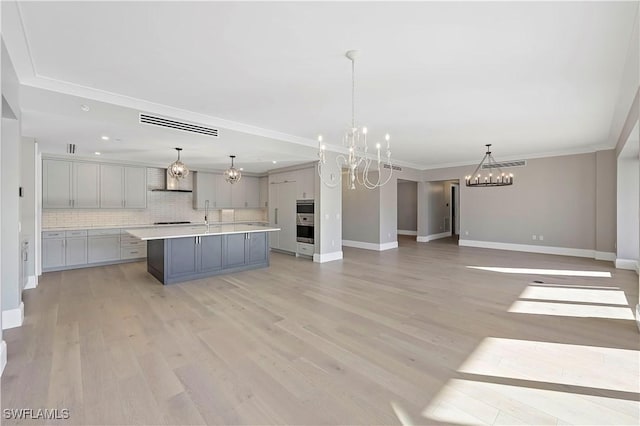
x=161 y=207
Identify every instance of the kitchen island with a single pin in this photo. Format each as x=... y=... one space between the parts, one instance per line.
x=177 y=254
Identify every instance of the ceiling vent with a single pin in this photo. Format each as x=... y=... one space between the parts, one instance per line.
x=505 y=164
x=154 y=120
x=71 y=148
x=398 y=168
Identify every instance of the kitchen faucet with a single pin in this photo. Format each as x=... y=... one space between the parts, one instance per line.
x=206 y=213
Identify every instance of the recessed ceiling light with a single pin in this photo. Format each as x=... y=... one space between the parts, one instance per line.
x=97 y=153
x=105 y=138
x=84 y=107
x=274 y=161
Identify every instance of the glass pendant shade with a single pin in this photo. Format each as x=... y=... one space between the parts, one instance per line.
x=232 y=175
x=178 y=169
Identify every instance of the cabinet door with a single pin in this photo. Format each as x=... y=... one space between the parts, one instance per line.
x=76 y=251
x=111 y=187
x=211 y=253
x=252 y=187
x=135 y=187
x=56 y=184
x=86 y=185
x=103 y=249
x=274 y=241
x=239 y=194
x=182 y=255
x=287 y=216
x=53 y=253
x=257 y=247
x=235 y=251
x=264 y=192
x=223 y=193
x=305 y=181
x=204 y=188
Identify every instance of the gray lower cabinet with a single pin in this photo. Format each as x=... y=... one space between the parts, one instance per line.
x=75 y=251
x=53 y=253
x=182 y=259
x=104 y=248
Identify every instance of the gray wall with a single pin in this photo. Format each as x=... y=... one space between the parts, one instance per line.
x=407 y=206
x=28 y=200
x=361 y=212
x=9 y=182
x=553 y=196
x=606 y=201
x=436 y=209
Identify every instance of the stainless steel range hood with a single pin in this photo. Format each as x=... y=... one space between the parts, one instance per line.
x=176 y=185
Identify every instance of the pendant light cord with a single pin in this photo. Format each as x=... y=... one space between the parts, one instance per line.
x=353 y=93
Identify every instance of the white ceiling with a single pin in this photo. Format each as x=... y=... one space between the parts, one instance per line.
x=442 y=78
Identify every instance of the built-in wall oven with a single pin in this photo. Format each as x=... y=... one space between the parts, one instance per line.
x=304 y=221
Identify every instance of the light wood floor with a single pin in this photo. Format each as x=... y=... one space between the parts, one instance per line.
x=409 y=335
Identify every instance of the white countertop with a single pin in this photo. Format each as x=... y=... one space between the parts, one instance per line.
x=166 y=232
x=143 y=225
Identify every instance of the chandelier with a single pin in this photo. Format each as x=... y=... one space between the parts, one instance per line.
x=232 y=175
x=359 y=160
x=488 y=162
x=177 y=169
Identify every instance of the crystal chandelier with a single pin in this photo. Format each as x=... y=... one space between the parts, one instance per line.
x=500 y=179
x=359 y=160
x=177 y=169
x=232 y=175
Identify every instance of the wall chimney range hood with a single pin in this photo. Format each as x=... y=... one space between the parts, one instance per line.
x=173 y=184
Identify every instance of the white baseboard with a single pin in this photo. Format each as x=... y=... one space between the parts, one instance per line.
x=605 y=255
x=426 y=239
x=32 y=282
x=630 y=264
x=327 y=257
x=562 y=251
x=12 y=318
x=3 y=356
x=405 y=232
x=370 y=246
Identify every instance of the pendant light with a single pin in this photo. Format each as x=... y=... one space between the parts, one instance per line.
x=232 y=175
x=178 y=169
x=488 y=162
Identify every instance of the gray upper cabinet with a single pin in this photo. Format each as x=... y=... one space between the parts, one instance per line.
x=305 y=183
x=135 y=187
x=56 y=184
x=70 y=184
x=239 y=194
x=123 y=187
x=111 y=186
x=204 y=188
x=223 y=193
x=86 y=185
x=264 y=192
x=252 y=191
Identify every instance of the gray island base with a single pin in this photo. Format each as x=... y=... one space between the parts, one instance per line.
x=178 y=257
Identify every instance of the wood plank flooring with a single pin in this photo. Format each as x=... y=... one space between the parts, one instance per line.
x=408 y=336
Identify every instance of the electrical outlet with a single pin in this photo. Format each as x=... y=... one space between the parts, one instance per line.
x=534 y=237
x=466 y=232
x=333 y=243
x=541 y=237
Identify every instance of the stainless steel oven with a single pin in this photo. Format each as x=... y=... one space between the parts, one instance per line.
x=304 y=221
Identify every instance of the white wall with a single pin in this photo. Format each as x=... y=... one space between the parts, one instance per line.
x=328 y=214
x=28 y=201
x=628 y=192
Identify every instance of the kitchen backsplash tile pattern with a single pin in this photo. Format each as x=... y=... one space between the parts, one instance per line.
x=161 y=207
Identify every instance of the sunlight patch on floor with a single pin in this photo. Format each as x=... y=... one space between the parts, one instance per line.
x=609 y=297
x=571 y=310
x=535 y=271
x=470 y=402
x=577 y=365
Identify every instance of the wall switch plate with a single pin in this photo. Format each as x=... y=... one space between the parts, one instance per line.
x=466 y=232
x=541 y=238
x=534 y=237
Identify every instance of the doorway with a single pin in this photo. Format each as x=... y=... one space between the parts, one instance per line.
x=454 y=210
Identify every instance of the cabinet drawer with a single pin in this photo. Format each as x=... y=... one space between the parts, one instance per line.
x=132 y=243
x=133 y=253
x=52 y=234
x=81 y=233
x=306 y=249
x=93 y=232
x=128 y=237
